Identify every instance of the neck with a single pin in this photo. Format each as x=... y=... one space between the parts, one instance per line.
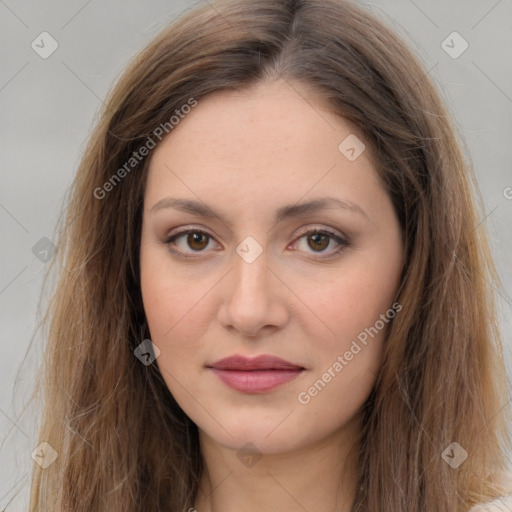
x=322 y=476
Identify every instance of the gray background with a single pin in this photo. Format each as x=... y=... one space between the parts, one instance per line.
x=48 y=107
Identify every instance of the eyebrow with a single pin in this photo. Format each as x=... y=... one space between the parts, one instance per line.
x=291 y=211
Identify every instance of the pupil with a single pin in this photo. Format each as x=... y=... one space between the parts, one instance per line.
x=194 y=238
x=316 y=241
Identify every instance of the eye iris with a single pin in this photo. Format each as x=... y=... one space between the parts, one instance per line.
x=194 y=238
x=316 y=237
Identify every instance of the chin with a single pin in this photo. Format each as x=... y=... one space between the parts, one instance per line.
x=272 y=435
x=258 y=441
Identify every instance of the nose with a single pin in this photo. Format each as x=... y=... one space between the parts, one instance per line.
x=254 y=300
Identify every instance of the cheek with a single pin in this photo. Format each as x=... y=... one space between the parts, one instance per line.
x=168 y=295
x=163 y=303
x=354 y=302
x=347 y=361
x=175 y=333
x=178 y=314
x=356 y=305
x=171 y=314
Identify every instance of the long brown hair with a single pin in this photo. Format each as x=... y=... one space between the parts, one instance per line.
x=123 y=442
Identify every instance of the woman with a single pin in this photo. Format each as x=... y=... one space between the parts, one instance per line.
x=276 y=292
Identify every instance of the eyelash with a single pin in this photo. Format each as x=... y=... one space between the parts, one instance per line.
x=344 y=243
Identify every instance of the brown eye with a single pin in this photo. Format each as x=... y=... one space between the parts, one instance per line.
x=196 y=240
x=319 y=242
x=188 y=241
x=322 y=243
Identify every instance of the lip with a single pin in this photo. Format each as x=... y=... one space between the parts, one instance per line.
x=255 y=375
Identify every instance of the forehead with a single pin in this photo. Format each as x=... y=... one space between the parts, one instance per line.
x=269 y=118
x=271 y=141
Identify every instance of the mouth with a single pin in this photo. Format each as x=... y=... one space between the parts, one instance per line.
x=256 y=375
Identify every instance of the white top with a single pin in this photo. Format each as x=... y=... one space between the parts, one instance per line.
x=503 y=504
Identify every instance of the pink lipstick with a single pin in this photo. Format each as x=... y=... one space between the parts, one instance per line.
x=256 y=375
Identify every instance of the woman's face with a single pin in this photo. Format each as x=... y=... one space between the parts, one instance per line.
x=254 y=279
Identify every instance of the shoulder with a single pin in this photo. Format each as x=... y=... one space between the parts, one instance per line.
x=503 y=504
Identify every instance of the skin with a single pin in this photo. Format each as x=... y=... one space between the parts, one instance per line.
x=246 y=154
